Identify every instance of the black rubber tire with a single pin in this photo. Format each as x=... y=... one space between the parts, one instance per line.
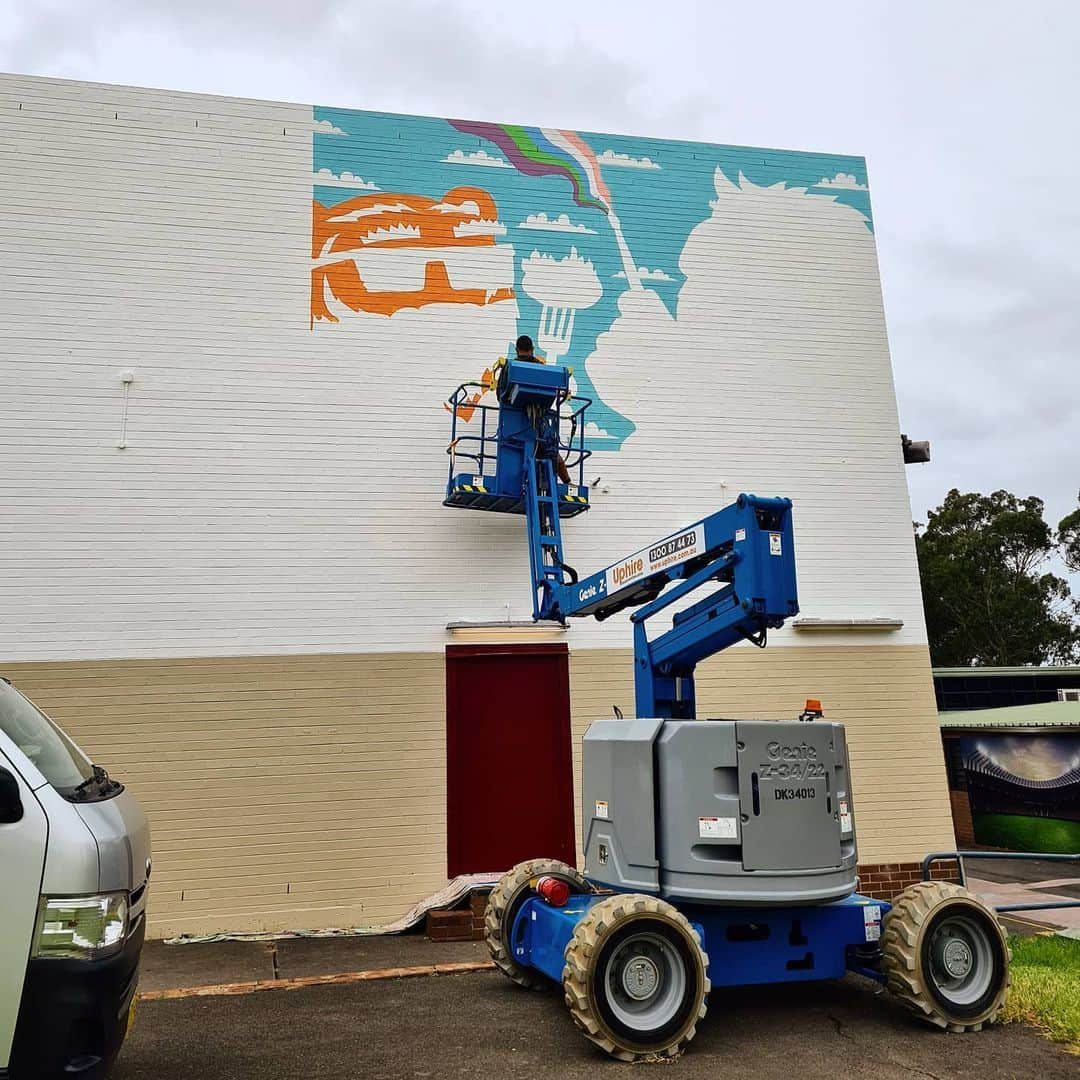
x=595 y=940
x=907 y=961
x=515 y=886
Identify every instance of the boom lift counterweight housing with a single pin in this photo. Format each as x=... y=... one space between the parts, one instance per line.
x=726 y=845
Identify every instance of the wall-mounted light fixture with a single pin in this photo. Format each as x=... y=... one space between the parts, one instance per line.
x=510 y=630
x=880 y=623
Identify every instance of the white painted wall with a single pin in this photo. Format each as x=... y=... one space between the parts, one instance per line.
x=262 y=505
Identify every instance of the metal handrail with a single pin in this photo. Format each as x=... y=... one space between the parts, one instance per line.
x=484 y=446
x=959 y=856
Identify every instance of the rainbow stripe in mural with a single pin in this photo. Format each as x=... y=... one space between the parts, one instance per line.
x=556 y=152
x=547 y=152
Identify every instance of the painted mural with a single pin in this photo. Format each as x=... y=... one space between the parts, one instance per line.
x=1024 y=790
x=591 y=244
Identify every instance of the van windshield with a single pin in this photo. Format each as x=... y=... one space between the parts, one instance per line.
x=55 y=756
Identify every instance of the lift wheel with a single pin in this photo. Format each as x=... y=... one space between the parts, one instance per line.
x=504 y=901
x=944 y=954
x=635 y=978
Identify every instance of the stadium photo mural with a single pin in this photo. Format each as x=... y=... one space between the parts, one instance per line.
x=1025 y=790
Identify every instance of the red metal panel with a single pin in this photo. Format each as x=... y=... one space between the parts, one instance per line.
x=509 y=777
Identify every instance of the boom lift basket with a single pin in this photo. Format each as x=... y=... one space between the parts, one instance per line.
x=491 y=443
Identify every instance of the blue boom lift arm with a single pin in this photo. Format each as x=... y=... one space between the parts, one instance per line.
x=745 y=550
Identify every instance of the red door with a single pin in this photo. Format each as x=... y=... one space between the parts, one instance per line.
x=509 y=779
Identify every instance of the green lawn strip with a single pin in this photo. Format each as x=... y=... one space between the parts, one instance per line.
x=1021 y=833
x=1046 y=987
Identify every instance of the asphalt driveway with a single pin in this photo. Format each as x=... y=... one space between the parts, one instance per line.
x=479 y=1025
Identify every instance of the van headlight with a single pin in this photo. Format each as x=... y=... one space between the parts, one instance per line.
x=82 y=928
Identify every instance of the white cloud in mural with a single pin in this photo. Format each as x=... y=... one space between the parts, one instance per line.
x=647 y=275
x=570 y=282
x=478 y=157
x=480 y=227
x=561 y=223
x=327 y=178
x=325 y=127
x=843 y=180
x=625 y=161
x=595 y=431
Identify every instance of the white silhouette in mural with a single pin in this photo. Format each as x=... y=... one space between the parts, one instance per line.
x=740 y=285
x=561 y=287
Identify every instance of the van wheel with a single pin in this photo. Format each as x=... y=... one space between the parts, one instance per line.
x=944 y=954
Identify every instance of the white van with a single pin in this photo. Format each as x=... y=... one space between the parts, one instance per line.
x=74 y=865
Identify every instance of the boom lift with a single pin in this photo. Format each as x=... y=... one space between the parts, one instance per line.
x=722 y=844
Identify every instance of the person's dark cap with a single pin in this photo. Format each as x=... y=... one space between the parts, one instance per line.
x=524 y=343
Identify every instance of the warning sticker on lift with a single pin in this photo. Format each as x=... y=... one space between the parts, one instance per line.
x=601 y=809
x=845 y=817
x=774 y=544
x=723 y=828
x=872 y=921
x=675 y=549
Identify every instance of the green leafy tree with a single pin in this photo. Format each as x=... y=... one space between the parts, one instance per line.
x=988 y=596
x=1069 y=538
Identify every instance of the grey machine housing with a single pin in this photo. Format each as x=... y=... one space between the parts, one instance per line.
x=719 y=811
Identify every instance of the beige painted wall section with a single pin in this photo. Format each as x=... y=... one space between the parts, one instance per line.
x=282 y=792
x=310 y=791
x=883 y=694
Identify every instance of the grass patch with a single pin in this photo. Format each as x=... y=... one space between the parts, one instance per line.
x=1046 y=987
x=1019 y=833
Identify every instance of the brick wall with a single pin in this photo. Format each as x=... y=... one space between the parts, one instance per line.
x=465 y=923
x=963 y=824
x=883 y=881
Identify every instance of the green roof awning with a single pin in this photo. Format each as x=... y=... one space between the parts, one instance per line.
x=1046 y=714
x=980 y=672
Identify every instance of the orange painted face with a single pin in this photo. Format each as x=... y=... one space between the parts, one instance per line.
x=466 y=217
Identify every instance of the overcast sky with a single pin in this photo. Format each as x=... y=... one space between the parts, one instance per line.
x=967 y=111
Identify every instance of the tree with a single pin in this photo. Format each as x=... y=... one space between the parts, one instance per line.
x=988 y=597
x=1069 y=538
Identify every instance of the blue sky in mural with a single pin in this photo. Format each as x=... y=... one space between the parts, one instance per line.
x=658 y=208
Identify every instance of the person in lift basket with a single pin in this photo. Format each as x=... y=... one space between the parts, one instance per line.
x=523 y=348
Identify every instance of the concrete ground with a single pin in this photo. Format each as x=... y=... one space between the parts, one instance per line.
x=1026 y=871
x=480 y=1025
x=1023 y=881
x=166 y=967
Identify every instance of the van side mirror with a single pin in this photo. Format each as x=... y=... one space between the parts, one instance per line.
x=11 y=807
